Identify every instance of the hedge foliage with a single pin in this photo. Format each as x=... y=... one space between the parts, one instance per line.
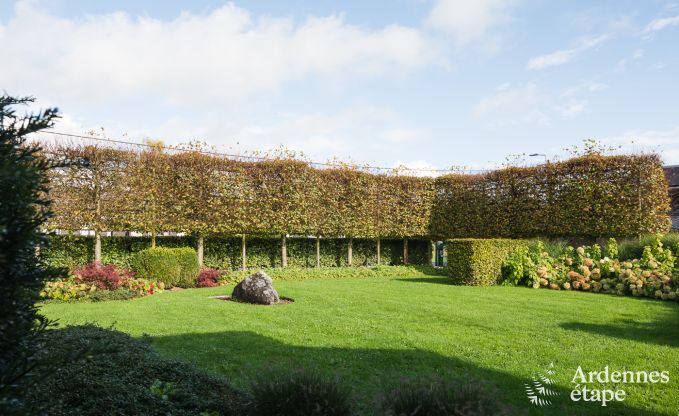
x=198 y=193
x=588 y=196
x=293 y=273
x=478 y=262
x=177 y=266
x=225 y=252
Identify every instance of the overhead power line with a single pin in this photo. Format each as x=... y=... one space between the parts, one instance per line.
x=236 y=156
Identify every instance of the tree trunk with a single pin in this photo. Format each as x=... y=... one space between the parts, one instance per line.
x=200 y=243
x=350 y=252
x=244 y=253
x=318 y=252
x=378 y=251
x=153 y=239
x=432 y=252
x=97 y=246
x=284 y=252
x=405 y=251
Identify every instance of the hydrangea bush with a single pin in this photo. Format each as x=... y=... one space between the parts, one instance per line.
x=589 y=268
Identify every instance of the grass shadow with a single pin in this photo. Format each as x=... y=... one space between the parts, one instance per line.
x=242 y=354
x=664 y=330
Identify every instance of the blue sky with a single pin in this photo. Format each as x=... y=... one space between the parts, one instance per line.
x=426 y=84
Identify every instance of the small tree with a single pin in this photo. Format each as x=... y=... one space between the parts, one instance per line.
x=23 y=210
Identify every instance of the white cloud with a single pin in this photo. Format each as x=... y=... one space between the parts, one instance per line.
x=224 y=55
x=664 y=142
x=402 y=135
x=637 y=55
x=419 y=168
x=571 y=108
x=589 y=86
x=514 y=105
x=528 y=103
x=563 y=56
x=660 y=24
x=357 y=130
x=468 y=21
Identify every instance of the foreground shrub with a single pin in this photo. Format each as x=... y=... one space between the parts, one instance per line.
x=172 y=266
x=104 y=277
x=128 y=378
x=303 y=393
x=208 y=278
x=23 y=212
x=478 y=262
x=437 y=398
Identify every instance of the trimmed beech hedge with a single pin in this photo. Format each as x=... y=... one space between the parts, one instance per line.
x=225 y=252
x=478 y=262
x=588 y=196
x=173 y=266
x=196 y=193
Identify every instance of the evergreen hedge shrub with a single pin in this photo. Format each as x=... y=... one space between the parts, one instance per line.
x=224 y=253
x=172 y=266
x=478 y=262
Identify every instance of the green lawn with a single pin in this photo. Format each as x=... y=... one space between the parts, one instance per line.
x=371 y=331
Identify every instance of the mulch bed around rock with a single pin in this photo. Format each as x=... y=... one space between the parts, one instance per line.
x=283 y=301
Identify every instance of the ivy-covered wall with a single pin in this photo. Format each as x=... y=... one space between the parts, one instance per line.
x=225 y=252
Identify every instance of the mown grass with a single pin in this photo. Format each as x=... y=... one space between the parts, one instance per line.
x=372 y=331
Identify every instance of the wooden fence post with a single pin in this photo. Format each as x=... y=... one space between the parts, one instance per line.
x=284 y=252
x=153 y=239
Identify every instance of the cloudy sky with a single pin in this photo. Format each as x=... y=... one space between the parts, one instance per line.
x=424 y=83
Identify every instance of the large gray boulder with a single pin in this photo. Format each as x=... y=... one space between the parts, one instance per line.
x=257 y=288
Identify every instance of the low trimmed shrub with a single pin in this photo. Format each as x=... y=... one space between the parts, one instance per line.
x=172 y=266
x=478 y=262
x=124 y=376
x=208 y=278
x=299 y=393
x=438 y=398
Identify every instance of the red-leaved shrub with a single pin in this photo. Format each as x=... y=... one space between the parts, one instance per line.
x=208 y=278
x=104 y=277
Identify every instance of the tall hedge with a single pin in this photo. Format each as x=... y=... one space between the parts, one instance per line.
x=589 y=196
x=198 y=193
x=478 y=262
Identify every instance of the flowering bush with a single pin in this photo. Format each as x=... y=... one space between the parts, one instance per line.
x=208 y=278
x=98 y=282
x=105 y=277
x=585 y=269
x=66 y=289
